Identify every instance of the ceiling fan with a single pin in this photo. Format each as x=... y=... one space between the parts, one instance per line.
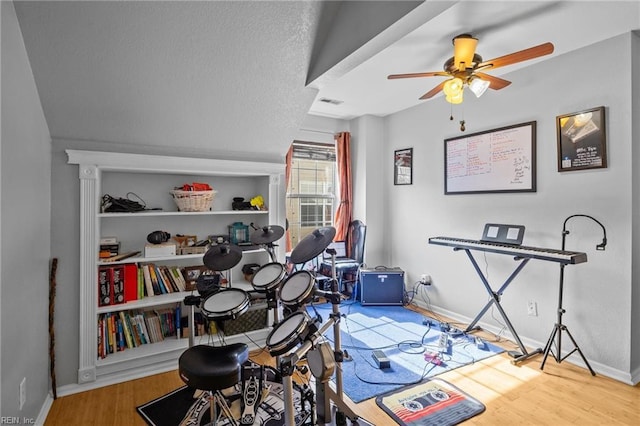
x=466 y=67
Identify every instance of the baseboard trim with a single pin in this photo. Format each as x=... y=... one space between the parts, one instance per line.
x=599 y=368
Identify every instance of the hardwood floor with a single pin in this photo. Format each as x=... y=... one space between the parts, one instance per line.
x=562 y=394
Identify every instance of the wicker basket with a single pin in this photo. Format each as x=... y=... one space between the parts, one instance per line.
x=193 y=201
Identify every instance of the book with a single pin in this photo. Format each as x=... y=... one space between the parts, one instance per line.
x=176 y=273
x=121 y=256
x=105 y=295
x=130 y=282
x=109 y=250
x=117 y=284
x=127 y=333
x=148 y=283
x=166 y=281
x=121 y=339
x=178 y=316
x=157 y=288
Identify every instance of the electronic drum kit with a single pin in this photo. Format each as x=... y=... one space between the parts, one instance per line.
x=297 y=336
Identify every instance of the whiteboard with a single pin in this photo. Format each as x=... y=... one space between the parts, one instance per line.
x=498 y=160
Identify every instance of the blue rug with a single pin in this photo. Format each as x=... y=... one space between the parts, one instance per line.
x=410 y=345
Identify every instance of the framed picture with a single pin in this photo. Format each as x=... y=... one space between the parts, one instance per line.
x=191 y=275
x=403 y=167
x=582 y=140
x=496 y=160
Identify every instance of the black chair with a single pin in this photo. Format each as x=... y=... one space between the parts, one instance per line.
x=347 y=268
x=212 y=369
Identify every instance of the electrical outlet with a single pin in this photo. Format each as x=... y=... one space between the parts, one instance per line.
x=425 y=279
x=532 y=308
x=23 y=392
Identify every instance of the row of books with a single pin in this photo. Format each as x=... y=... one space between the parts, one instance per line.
x=122 y=330
x=127 y=282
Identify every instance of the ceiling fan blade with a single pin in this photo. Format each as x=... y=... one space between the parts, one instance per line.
x=495 y=83
x=431 y=93
x=515 y=57
x=464 y=47
x=418 y=74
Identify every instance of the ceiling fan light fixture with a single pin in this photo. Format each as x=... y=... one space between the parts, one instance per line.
x=454 y=99
x=478 y=86
x=453 y=87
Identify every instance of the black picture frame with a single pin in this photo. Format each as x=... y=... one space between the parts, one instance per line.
x=403 y=166
x=491 y=161
x=582 y=140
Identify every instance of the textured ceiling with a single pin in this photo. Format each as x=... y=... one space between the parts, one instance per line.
x=237 y=78
x=217 y=76
x=228 y=78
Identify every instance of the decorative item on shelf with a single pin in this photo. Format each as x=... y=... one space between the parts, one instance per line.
x=195 y=197
x=158 y=237
x=249 y=269
x=218 y=239
x=192 y=250
x=160 y=250
x=239 y=203
x=188 y=244
x=258 y=202
x=239 y=233
x=109 y=250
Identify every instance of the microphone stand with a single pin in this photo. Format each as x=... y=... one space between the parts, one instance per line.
x=559 y=327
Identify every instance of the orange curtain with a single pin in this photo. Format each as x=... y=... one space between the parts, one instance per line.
x=345 y=208
x=287 y=177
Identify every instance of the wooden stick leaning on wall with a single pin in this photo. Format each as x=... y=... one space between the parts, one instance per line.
x=52 y=336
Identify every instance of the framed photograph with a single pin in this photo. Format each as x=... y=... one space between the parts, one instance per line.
x=582 y=140
x=496 y=160
x=191 y=275
x=403 y=167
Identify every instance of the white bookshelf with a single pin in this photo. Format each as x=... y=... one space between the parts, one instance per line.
x=116 y=173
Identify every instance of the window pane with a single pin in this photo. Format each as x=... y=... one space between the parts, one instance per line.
x=311 y=190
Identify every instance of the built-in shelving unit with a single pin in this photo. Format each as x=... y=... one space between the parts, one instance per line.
x=151 y=177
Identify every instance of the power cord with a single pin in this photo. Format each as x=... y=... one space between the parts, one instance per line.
x=122 y=205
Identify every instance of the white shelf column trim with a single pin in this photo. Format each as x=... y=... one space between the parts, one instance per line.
x=89 y=184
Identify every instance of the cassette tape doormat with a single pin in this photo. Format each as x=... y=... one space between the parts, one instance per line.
x=433 y=402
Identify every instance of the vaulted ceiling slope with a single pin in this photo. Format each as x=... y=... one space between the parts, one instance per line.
x=236 y=79
x=221 y=77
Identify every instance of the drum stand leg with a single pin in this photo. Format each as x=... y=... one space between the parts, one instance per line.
x=324 y=393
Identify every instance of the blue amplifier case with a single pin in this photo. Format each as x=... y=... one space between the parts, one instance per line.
x=382 y=286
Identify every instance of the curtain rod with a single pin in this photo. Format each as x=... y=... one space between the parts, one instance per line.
x=320 y=131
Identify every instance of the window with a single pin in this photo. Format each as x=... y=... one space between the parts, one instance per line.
x=311 y=192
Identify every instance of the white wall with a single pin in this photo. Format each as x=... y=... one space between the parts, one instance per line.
x=597 y=293
x=25 y=175
x=368 y=162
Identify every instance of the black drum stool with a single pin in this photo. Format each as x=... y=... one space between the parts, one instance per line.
x=212 y=369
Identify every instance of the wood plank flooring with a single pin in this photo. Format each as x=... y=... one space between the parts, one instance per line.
x=562 y=394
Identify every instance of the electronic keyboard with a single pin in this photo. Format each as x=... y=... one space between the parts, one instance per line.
x=561 y=256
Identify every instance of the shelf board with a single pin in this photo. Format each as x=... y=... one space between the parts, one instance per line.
x=178 y=213
x=141 y=259
x=168 y=345
x=146 y=302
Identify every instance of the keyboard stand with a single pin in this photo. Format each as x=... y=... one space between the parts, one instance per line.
x=495 y=300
